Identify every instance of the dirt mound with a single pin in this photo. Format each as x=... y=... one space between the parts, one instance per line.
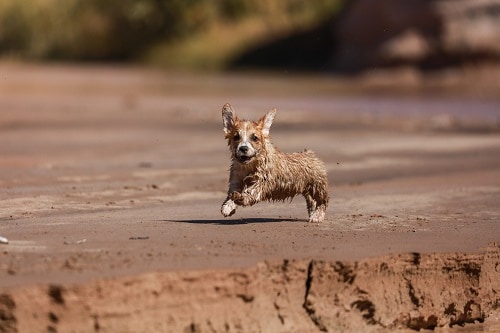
x=393 y=292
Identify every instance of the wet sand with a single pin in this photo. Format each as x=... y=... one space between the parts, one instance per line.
x=109 y=173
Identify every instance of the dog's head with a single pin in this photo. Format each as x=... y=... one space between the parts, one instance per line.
x=246 y=139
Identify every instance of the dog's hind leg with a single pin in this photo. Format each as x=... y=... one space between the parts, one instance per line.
x=311 y=204
x=317 y=200
x=317 y=215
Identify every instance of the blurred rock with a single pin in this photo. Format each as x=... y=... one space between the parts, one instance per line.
x=421 y=33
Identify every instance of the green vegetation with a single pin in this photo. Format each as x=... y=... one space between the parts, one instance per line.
x=175 y=33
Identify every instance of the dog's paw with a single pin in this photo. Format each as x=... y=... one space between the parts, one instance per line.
x=228 y=208
x=317 y=216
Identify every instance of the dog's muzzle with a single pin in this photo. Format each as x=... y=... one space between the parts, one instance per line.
x=244 y=154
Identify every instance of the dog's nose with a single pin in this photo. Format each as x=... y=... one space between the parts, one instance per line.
x=243 y=149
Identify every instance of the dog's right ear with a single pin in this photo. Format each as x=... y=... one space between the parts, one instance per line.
x=228 y=118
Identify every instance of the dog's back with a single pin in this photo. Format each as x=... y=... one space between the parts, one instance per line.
x=291 y=174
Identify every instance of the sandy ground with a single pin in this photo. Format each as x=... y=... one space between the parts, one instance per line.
x=111 y=173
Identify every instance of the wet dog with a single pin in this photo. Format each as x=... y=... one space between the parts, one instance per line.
x=259 y=171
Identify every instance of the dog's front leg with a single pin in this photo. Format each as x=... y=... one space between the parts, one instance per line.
x=236 y=199
x=251 y=192
x=228 y=207
x=235 y=185
x=248 y=197
x=242 y=199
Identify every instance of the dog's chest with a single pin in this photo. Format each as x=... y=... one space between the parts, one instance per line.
x=250 y=179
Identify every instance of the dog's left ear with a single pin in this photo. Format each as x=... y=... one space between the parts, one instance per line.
x=267 y=121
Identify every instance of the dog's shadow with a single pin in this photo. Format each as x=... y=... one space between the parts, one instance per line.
x=237 y=221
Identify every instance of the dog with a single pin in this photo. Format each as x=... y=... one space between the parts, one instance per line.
x=260 y=172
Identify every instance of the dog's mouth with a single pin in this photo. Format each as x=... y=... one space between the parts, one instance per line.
x=244 y=158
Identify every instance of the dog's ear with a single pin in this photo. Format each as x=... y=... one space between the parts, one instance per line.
x=267 y=121
x=228 y=118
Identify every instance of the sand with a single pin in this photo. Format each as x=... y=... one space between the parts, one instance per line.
x=112 y=179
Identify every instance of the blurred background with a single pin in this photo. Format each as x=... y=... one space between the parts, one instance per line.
x=338 y=36
x=193 y=34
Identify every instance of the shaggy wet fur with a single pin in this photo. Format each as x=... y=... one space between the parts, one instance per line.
x=261 y=172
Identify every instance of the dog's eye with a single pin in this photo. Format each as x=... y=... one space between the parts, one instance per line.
x=254 y=138
x=236 y=137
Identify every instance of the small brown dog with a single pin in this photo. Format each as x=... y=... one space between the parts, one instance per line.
x=261 y=172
